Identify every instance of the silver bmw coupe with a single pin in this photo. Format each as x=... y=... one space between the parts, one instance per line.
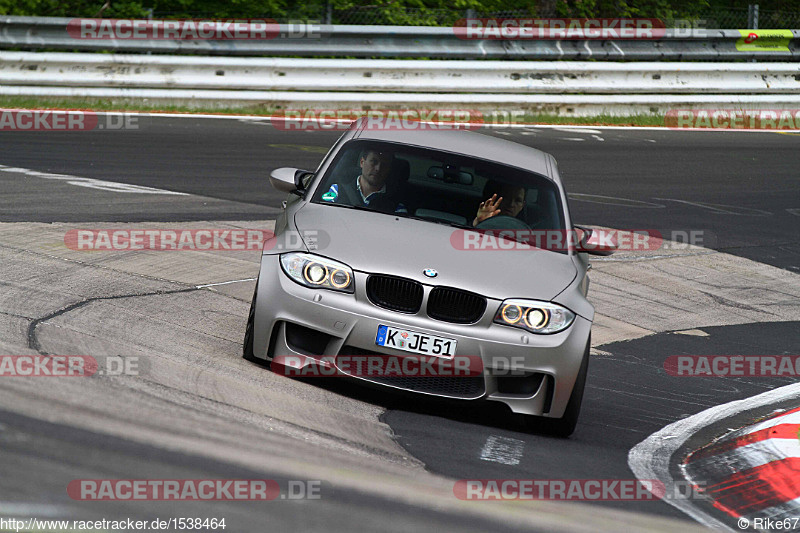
x=438 y=261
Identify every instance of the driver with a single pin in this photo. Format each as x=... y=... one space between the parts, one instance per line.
x=509 y=203
x=369 y=188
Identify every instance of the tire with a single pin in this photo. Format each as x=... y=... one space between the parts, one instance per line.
x=247 y=344
x=564 y=427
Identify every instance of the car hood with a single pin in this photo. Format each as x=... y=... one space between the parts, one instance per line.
x=378 y=243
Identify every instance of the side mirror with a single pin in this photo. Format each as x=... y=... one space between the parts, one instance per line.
x=596 y=242
x=291 y=180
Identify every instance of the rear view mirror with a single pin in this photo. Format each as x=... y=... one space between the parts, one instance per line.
x=450 y=174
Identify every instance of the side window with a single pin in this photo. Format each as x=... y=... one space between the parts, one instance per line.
x=346 y=168
x=333 y=149
x=308 y=178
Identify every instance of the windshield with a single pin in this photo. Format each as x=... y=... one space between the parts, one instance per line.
x=439 y=187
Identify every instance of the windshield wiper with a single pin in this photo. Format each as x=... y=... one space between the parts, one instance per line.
x=439 y=221
x=348 y=206
x=401 y=215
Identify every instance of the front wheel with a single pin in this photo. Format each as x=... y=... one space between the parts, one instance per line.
x=565 y=426
x=247 y=344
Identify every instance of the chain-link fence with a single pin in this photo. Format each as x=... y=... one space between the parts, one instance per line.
x=740 y=18
x=712 y=19
x=732 y=18
x=416 y=17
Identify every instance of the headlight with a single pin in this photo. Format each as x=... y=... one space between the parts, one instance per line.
x=536 y=317
x=318 y=272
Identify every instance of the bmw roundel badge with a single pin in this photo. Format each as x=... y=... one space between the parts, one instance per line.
x=430 y=272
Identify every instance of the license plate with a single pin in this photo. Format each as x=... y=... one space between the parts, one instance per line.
x=411 y=341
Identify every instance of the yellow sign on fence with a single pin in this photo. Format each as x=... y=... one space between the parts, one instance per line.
x=764 y=40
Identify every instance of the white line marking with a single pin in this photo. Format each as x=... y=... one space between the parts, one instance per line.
x=31 y=509
x=650 y=459
x=578 y=130
x=650 y=257
x=502 y=450
x=625 y=202
x=577 y=139
x=597 y=137
x=224 y=283
x=694 y=332
x=91 y=183
x=722 y=209
x=618 y=48
x=794 y=211
x=256 y=122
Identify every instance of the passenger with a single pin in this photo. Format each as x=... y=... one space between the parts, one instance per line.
x=495 y=205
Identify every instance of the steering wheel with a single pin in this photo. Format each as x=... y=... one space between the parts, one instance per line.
x=503 y=222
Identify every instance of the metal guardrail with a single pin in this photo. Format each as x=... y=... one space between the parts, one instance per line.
x=35 y=33
x=407 y=76
x=564 y=88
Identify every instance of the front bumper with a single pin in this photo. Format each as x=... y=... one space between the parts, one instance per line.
x=338 y=322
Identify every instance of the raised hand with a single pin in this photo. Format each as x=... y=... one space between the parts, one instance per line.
x=488 y=209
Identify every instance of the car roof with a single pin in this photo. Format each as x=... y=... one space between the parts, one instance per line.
x=464 y=142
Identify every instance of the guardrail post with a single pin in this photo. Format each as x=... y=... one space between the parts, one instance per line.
x=752 y=16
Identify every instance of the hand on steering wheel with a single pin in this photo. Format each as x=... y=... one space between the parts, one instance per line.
x=488 y=209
